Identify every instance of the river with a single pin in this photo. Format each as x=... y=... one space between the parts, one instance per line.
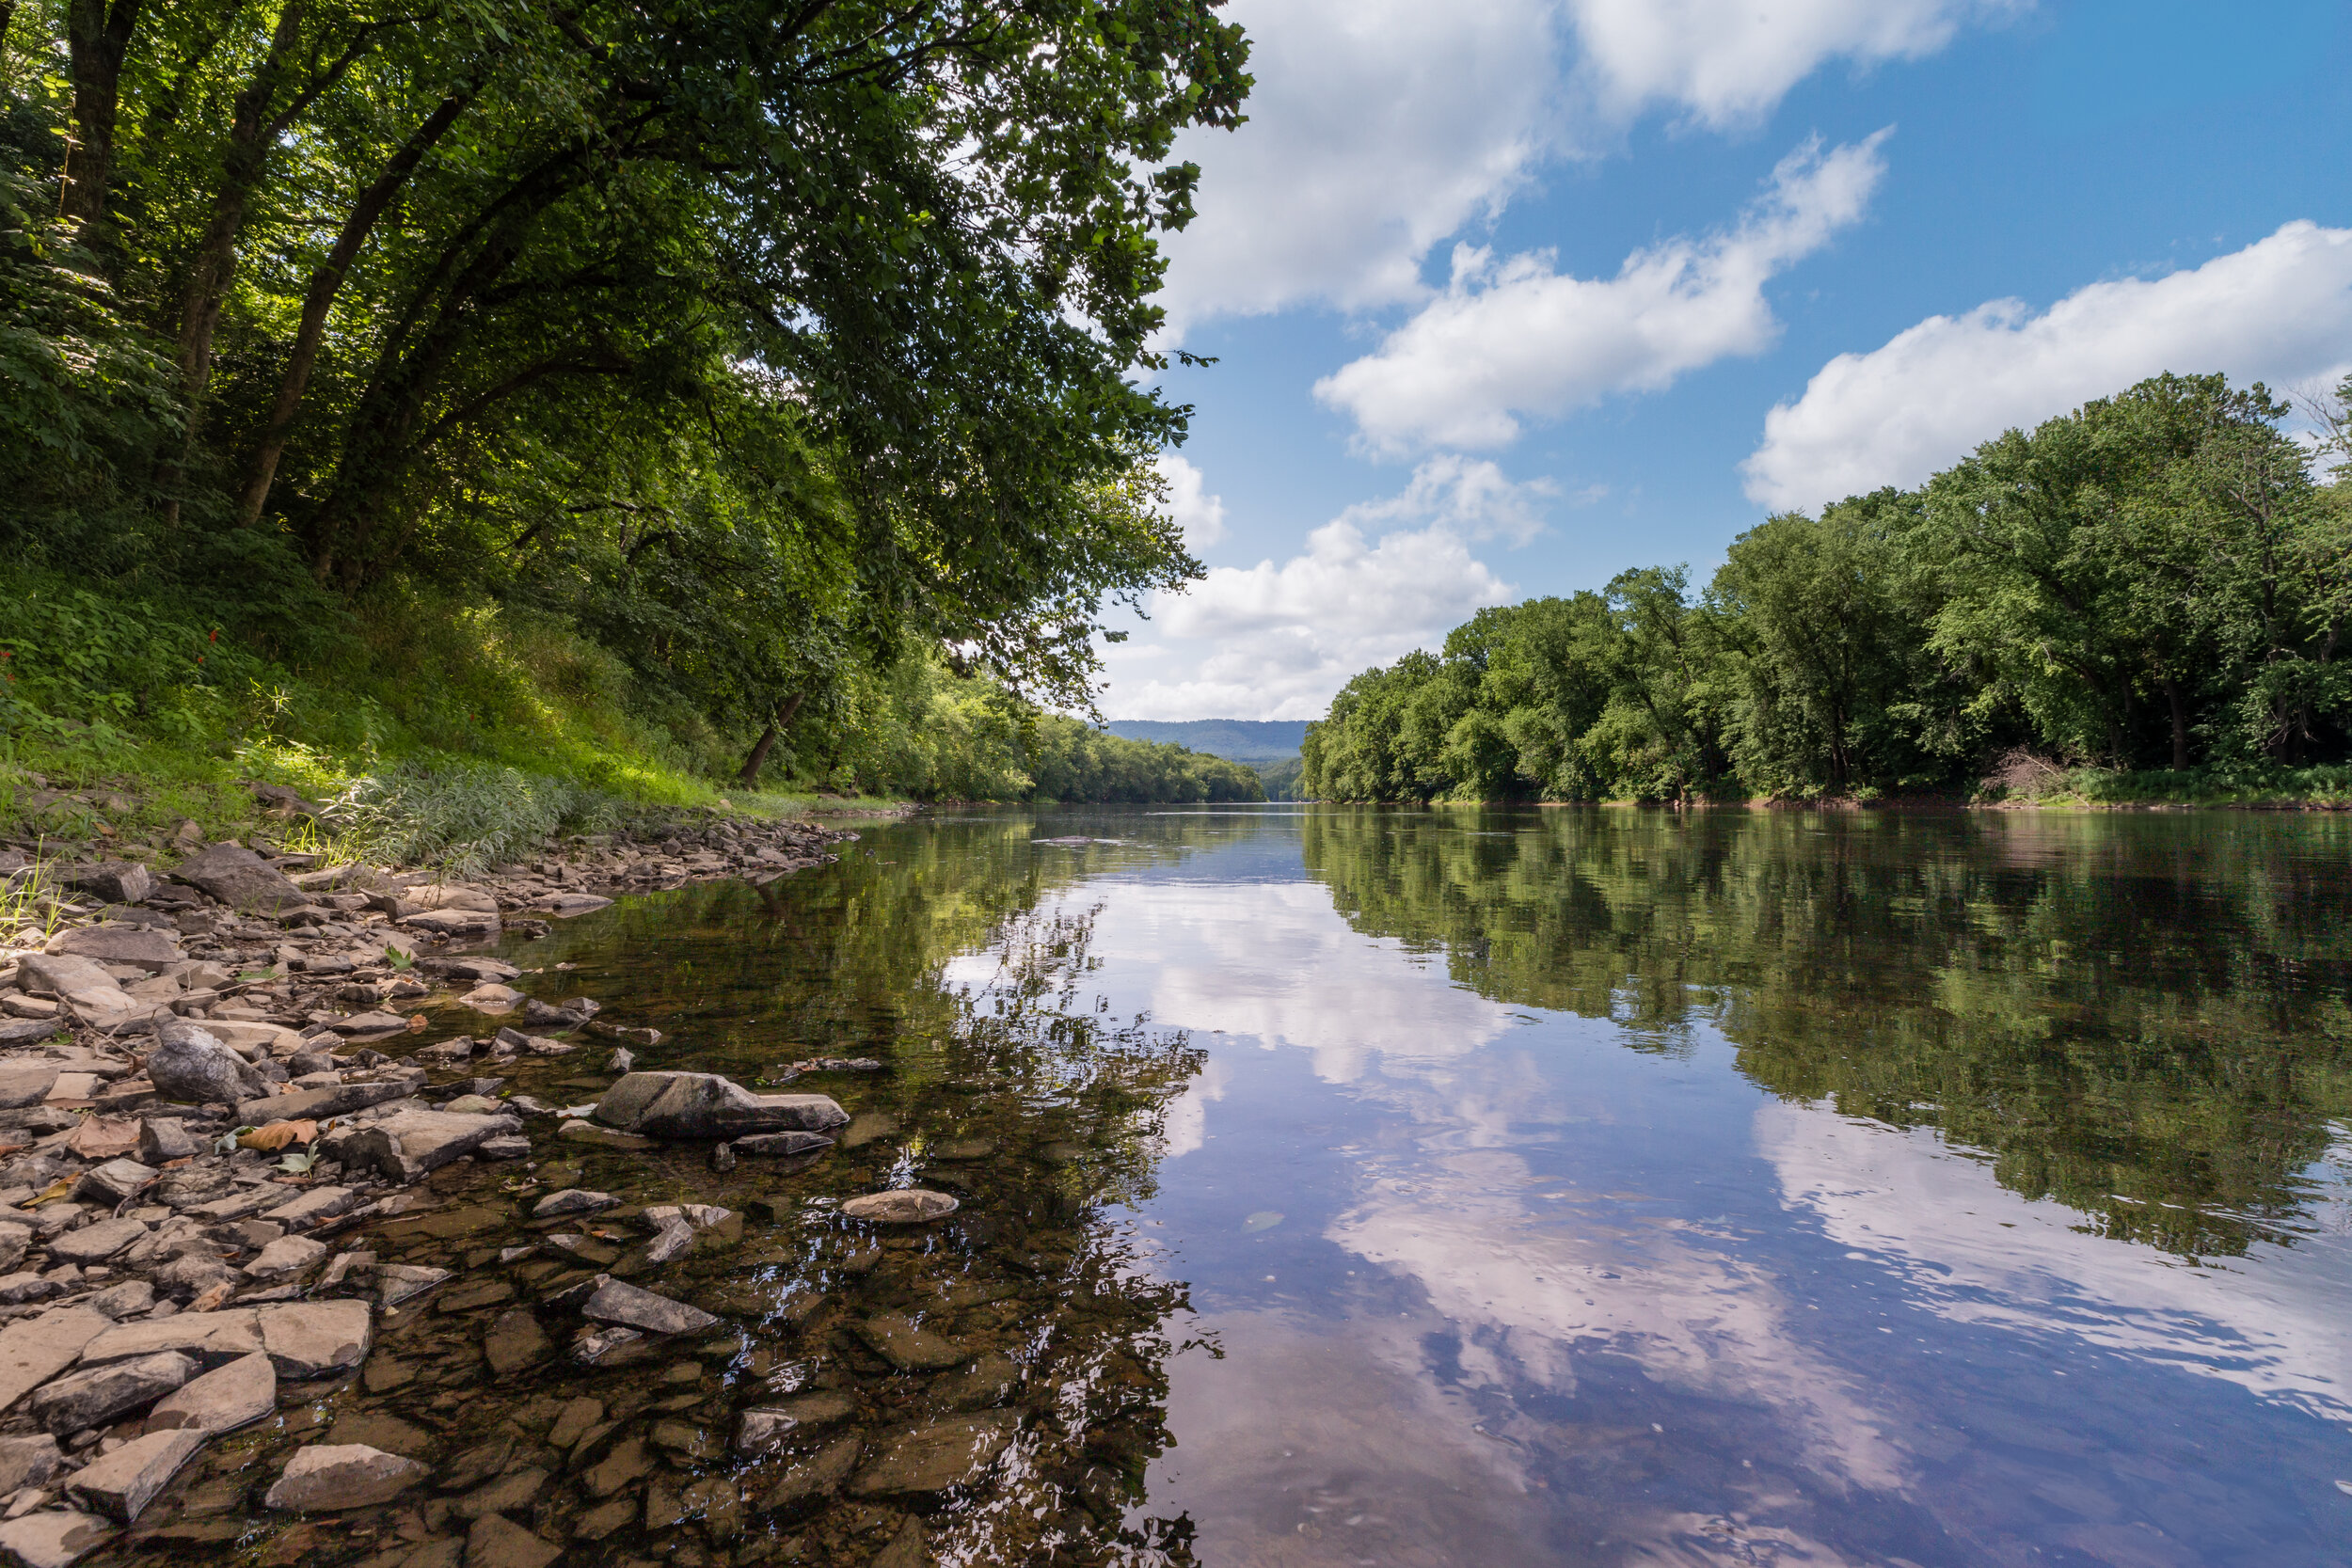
x=1467 y=1187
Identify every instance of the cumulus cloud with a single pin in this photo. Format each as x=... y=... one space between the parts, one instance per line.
x=1379 y=127
x=1514 y=336
x=1273 y=641
x=1726 y=63
x=2279 y=310
x=1201 y=515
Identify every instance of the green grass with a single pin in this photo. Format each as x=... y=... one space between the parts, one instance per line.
x=432 y=730
x=2226 y=785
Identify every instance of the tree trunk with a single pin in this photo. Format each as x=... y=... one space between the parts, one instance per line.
x=324 y=285
x=2180 y=724
x=758 y=759
x=7 y=14
x=97 y=39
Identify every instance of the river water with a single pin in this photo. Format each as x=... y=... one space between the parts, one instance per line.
x=1508 y=1187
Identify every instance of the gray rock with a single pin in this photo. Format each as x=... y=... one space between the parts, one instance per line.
x=95 y=1244
x=318 y=1204
x=768 y=1428
x=108 y=1184
x=18 y=1288
x=370 y=1023
x=615 y=1301
x=241 y=879
x=923 y=1462
x=208 y=1338
x=191 y=1066
x=116 y=881
x=607 y=1137
x=166 y=1138
x=592 y=1350
x=704 y=1105
x=54 y=1538
x=506 y=1145
x=408 y=1144
x=314 y=1338
x=782 y=1143
x=122 y=1483
x=672 y=1239
x=93 y=1398
x=14 y=1239
x=325 y=1479
x=338 y=1100
x=908 y=1346
x=80 y=982
x=399 y=1282
x=27 y=1082
x=130 y=1297
x=190 y=1185
x=139 y=946
x=26 y=1462
x=620 y=1061
x=221 y=1401
x=284 y=1258
x=572 y=1200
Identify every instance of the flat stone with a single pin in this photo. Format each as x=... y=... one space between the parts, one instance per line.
x=99 y=1394
x=768 y=1428
x=314 y=1338
x=27 y=1083
x=573 y=1421
x=589 y=1133
x=608 y=1346
x=615 y=1301
x=782 y=1143
x=14 y=1240
x=399 y=1282
x=95 y=1244
x=116 y=881
x=475 y=1294
x=375 y=1428
x=476 y=1465
x=516 y=1341
x=563 y=906
x=221 y=1401
x=491 y=997
x=626 y=1461
x=324 y=1478
x=909 y=1347
x=26 y=1462
x=409 y=1143
x=515 y=1489
x=29 y=1031
x=452 y=923
x=249 y=1037
x=704 y=1105
x=904 y=1205
x=34 y=1350
x=241 y=879
x=127 y=1299
x=338 y=1100
x=54 y=1538
x=138 y=946
x=816 y=1477
x=498 y=1542
x=122 y=1483
x=606 y=1517
x=318 y=1204
x=672 y=1239
x=284 y=1258
x=209 y=1338
x=572 y=1200
x=924 y=1460
x=79 y=982
x=109 y=1183
x=906 y=1548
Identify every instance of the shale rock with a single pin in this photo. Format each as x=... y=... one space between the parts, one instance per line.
x=241 y=879
x=323 y=1477
x=26 y=1462
x=312 y=1339
x=926 y=1461
x=122 y=1483
x=136 y=946
x=616 y=1302
x=221 y=1401
x=408 y=1144
x=54 y=1538
x=191 y=1066
x=704 y=1105
x=95 y=1397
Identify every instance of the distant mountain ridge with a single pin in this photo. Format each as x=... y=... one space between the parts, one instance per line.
x=1248 y=740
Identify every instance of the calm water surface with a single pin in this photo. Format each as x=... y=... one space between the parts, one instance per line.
x=1465 y=1187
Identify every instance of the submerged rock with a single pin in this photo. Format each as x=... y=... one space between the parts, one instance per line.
x=905 y=1206
x=704 y=1105
x=926 y=1461
x=323 y=1477
x=615 y=1301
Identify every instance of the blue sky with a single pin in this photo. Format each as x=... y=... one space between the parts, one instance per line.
x=1510 y=295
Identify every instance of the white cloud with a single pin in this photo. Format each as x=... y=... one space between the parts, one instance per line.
x=1201 y=515
x=2279 y=310
x=1726 y=63
x=1377 y=128
x=1275 y=640
x=1515 y=337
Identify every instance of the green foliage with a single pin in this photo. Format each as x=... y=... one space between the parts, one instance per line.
x=2154 y=580
x=464 y=818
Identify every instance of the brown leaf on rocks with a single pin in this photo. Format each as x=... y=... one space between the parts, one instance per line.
x=416 y=1022
x=103 y=1137
x=276 y=1135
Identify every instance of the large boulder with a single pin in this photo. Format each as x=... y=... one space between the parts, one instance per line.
x=190 y=1066
x=704 y=1105
x=242 y=879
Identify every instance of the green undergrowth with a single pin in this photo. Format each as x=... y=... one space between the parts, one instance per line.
x=2251 y=785
x=431 y=730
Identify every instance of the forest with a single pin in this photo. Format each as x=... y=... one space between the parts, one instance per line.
x=747 y=396
x=2147 y=597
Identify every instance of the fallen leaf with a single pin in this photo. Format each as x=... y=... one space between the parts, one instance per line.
x=103 y=1137
x=416 y=1022
x=55 y=1191
x=278 y=1135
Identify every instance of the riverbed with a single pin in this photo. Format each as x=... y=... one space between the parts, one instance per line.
x=1429 y=1187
